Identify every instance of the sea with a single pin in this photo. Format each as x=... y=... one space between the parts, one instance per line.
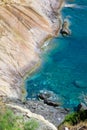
x=64 y=61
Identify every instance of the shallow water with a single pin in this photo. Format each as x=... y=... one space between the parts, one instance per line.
x=66 y=63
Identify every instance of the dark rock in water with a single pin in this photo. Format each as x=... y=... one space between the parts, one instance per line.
x=49 y=98
x=51 y=103
x=44 y=96
x=65 y=31
x=80 y=106
x=80 y=84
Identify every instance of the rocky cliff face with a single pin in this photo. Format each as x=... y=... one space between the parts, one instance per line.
x=24 y=25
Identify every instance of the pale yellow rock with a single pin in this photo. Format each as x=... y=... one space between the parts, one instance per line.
x=24 y=25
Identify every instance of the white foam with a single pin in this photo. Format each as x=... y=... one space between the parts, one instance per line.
x=75 y=6
x=70 y=5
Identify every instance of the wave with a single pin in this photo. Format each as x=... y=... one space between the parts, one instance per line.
x=75 y=6
x=70 y=5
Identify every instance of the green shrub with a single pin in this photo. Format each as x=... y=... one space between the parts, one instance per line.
x=9 y=121
x=31 y=125
x=72 y=118
x=83 y=115
x=76 y=117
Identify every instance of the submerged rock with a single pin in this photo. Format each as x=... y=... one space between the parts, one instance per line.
x=80 y=84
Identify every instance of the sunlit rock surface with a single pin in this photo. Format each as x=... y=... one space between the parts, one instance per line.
x=24 y=25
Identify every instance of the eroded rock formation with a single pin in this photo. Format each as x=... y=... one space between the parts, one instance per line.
x=24 y=25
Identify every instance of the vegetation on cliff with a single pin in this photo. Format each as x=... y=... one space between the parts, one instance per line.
x=75 y=121
x=10 y=121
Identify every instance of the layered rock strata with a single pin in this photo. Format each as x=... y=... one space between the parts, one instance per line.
x=24 y=26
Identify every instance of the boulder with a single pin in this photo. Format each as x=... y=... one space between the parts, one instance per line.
x=66 y=128
x=51 y=103
x=49 y=98
x=65 y=31
x=44 y=95
x=80 y=107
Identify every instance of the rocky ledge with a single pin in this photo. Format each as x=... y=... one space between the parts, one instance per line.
x=55 y=115
x=24 y=26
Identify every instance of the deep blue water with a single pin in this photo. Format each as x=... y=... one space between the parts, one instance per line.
x=66 y=61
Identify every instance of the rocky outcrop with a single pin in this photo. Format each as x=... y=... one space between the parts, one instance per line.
x=80 y=106
x=65 y=31
x=49 y=98
x=55 y=115
x=24 y=25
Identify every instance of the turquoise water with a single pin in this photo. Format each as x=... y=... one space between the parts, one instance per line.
x=66 y=62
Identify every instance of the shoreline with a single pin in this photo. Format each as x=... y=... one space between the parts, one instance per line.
x=34 y=68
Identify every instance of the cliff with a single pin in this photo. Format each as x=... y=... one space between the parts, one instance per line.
x=24 y=26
